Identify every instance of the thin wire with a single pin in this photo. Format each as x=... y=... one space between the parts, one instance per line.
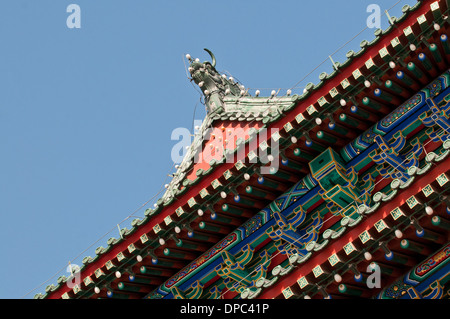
x=309 y=74
x=275 y=104
x=395 y=4
x=373 y=185
x=336 y=51
x=193 y=117
x=114 y=228
x=162 y=188
x=110 y=231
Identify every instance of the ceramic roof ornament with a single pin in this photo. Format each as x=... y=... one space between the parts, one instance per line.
x=213 y=85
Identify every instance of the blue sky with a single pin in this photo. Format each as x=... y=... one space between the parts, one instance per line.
x=86 y=115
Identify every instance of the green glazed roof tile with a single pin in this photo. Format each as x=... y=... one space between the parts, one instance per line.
x=196 y=180
x=289 y=107
x=364 y=44
x=123 y=231
x=199 y=172
x=181 y=191
x=274 y=118
x=135 y=221
x=157 y=209
x=404 y=15
x=61 y=279
x=244 y=108
x=335 y=72
x=309 y=86
x=359 y=53
x=416 y=6
x=99 y=250
x=112 y=241
x=143 y=221
x=220 y=160
x=319 y=85
x=50 y=287
x=346 y=62
x=240 y=141
x=129 y=231
x=186 y=182
x=209 y=170
x=169 y=201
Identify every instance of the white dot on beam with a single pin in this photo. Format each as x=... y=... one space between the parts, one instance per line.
x=337 y=278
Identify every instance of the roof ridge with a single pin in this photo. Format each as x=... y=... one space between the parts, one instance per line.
x=235 y=94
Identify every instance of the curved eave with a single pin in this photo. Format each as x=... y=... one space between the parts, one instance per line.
x=311 y=97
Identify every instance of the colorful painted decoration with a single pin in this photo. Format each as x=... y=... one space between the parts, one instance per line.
x=243 y=271
x=392 y=163
x=340 y=187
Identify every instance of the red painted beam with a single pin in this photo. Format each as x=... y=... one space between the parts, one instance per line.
x=322 y=256
x=290 y=116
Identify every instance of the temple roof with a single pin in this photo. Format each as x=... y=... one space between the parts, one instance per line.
x=231 y=101
x=230 y=105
